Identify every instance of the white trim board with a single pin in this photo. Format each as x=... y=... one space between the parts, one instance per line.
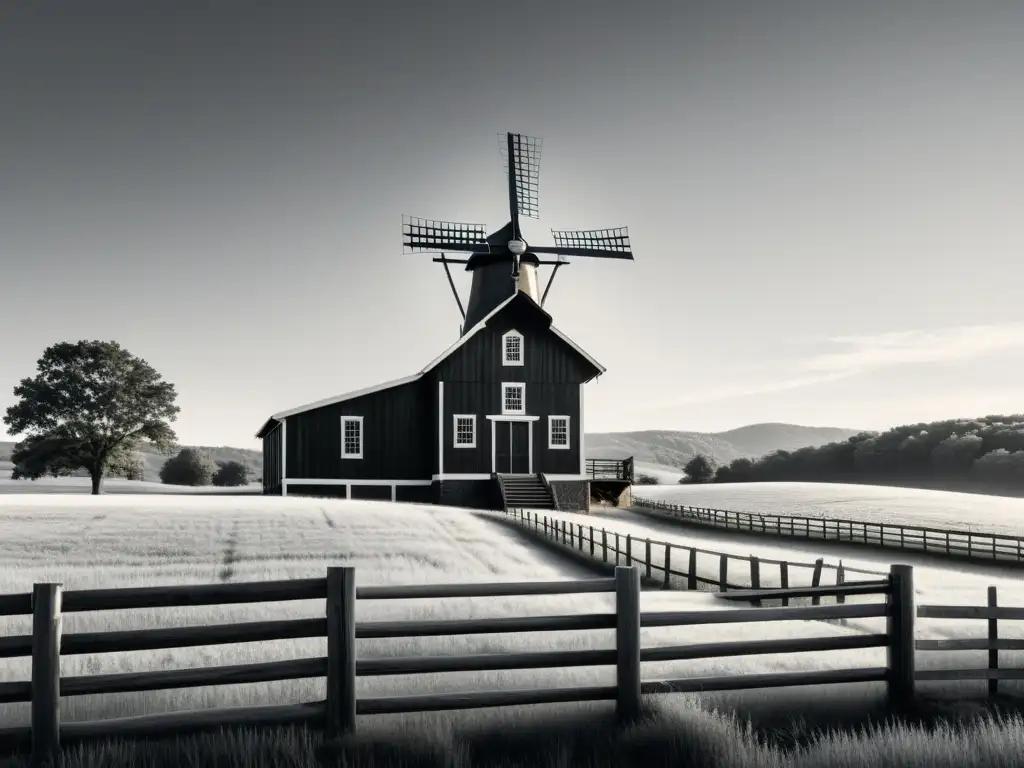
x=510 y=417
x=284 y=457
x=351 y=481
x=409 y=379
x=440 y=427
x=487 y=476
x=581 y=440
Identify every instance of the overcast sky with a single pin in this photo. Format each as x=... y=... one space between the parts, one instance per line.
x=824 y=199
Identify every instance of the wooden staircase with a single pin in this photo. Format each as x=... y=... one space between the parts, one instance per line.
x=525 y=492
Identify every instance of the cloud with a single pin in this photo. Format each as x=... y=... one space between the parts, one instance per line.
x=904 y=347
x=866 y=353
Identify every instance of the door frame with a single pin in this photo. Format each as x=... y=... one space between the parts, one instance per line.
x=494 y=438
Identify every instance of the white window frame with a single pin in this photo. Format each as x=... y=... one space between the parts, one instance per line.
x=344 y=421
x=455 y=429
x=504 y=348
x=507 y=385
x=551 y=433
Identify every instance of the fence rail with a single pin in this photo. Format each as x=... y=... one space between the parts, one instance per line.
x=967 y=544
x=666 y=558
x=610 y=469
x=343 y=663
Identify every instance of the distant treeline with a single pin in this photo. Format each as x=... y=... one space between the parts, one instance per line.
x=988 y=450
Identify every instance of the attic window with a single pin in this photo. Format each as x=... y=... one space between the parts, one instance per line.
x=512 y=348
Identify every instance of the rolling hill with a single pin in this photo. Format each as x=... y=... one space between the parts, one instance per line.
x=154 y=460
x=657 y=452
x=673 y=449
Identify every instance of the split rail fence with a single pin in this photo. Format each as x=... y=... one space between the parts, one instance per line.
x=669 y=563
x=343 y=664
x=974 y=545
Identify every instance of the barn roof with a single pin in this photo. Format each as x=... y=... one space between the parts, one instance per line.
x=272 y=422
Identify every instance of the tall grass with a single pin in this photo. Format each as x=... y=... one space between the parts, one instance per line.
x=683 y=734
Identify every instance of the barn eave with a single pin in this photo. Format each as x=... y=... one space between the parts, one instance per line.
x=277 y=417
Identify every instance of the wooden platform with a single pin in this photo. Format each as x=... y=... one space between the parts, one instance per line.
x=610 y=482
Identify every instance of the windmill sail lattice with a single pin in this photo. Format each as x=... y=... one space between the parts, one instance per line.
x=493 y=254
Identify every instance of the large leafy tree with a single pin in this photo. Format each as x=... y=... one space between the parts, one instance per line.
x=88 y=407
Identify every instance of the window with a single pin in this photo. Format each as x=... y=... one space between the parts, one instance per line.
x=465 y=430
x=558 y=432
x=512 y=346
x=351 y=437
x=513 y=397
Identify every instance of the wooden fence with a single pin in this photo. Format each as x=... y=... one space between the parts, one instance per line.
x=969 y=544
x=342 y=665
x=667 y=559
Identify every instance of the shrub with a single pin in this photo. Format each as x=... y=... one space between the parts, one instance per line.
x=231 y=474
x=699 y=469
x=189 y=467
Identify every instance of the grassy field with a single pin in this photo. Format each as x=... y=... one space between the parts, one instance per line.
x=936 y=583
x=870 y=503
x=124 y=540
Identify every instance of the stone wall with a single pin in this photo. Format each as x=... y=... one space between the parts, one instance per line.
x=571 y=495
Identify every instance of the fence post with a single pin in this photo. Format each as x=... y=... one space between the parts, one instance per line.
x=591 y=541
x=627 y=642
x=784 y=580
x=723 y=573
x=816 y=579
x=629 y=550
x=901 y=613
x=648 y=553
x=604 y=545
x=668 y=564
x=755 y=576
x=341 y=651
x=993 y=636
x=840 y=580
x=46 y=630
x=691 y=571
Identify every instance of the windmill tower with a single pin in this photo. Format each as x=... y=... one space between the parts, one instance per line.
x=503 y=262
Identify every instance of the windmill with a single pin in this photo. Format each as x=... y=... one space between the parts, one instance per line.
x=503 y=262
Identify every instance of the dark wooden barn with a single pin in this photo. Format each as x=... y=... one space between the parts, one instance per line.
x=496 y=419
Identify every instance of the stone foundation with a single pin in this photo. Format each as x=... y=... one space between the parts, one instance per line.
x=571 y=495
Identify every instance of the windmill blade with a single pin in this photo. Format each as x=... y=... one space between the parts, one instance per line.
x=600 y=243
x=524 y=178
x=513 y=191
x=431 y=235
